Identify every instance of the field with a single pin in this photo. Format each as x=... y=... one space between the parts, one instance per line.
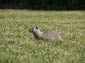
x=17 y=44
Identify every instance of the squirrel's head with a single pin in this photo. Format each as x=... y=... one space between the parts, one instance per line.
x=34 y=30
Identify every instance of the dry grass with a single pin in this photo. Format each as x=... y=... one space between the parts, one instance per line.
x=17 y=44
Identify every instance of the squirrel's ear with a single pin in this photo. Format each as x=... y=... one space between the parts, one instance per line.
x=36 y=27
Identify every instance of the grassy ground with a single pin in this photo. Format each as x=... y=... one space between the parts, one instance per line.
x=17 y=44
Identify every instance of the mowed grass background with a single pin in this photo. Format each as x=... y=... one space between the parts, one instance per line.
x=17 y=44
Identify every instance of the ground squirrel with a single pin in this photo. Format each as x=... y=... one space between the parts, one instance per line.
x=39 y=35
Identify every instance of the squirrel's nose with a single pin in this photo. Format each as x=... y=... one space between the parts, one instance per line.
x=29 y=30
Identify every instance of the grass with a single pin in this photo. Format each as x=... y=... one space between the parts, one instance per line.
x=17 y=44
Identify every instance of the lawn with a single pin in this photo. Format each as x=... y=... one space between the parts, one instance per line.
x=17 y=44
